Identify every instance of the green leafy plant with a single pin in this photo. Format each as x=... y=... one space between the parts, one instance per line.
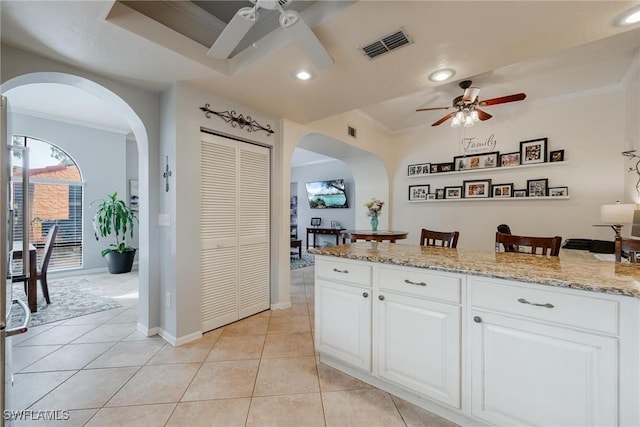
x=114 y=217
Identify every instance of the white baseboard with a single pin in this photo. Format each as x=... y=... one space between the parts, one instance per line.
x=147 y=332
x=281 y=306
x=179 y=341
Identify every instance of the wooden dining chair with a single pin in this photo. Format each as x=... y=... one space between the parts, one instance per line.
x=44 y=264
x=546 y=245
x=439 y=238
x=630 y=246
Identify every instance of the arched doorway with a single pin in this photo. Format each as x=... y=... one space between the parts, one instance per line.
x=148 y=318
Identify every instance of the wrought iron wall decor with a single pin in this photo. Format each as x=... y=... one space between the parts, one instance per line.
x=631 y=154
x=237 y=120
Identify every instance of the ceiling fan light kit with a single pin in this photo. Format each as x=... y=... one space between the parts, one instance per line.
x=289 y=20
x=467 y=112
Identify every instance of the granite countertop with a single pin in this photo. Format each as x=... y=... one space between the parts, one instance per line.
x=572 y=269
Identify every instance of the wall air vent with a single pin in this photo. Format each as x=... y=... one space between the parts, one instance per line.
x=351 y=131
x=386 y=44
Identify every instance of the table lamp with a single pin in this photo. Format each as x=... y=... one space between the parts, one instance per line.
x=617 y=214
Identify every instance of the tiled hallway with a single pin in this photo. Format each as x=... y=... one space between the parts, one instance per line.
x=260 y=371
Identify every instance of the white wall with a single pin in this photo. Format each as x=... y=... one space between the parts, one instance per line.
x=132 y=174
x=590 y=127
x=102 y=159
x=334 y=169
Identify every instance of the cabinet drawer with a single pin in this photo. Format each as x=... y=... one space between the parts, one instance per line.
x=525 y=300
x=420 y=283
x=345 y=271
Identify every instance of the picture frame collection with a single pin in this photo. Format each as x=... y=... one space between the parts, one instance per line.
x=532 y=151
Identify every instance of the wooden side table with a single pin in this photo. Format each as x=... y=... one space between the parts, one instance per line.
x=317 y=230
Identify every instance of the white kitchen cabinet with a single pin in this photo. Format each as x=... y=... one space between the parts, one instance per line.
x=538 y=356
x=418 y=345
x=343 y=322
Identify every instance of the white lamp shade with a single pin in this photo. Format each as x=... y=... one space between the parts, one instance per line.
x=617 y=213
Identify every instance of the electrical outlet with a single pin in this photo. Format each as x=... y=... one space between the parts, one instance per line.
x=168 y=299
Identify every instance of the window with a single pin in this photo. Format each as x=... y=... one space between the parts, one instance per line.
x=55 y=191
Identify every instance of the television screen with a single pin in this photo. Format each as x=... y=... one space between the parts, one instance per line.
x=327 y=194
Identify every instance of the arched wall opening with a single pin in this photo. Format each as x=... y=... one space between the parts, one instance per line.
x=142 y=140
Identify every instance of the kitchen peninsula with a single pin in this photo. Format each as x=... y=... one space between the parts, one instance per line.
x=484 y=337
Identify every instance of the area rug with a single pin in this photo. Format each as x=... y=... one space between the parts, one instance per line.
x=306 y=261
x=70 y=297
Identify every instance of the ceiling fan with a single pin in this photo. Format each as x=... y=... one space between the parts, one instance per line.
x=466 y=106
x=290 y=20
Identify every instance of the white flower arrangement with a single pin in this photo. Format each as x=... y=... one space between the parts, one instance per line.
x=374 y=207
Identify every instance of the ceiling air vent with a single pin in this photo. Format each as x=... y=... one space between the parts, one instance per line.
x=386 y=44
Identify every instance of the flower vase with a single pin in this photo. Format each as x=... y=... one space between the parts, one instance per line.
x=374 y=223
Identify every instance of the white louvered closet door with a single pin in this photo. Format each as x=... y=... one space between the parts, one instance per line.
x=234 y=211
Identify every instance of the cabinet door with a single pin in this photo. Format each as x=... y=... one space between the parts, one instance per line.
x=343 y=322
x=418 y=346
x=529 y=373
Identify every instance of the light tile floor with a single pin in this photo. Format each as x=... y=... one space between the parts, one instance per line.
x=259 y=371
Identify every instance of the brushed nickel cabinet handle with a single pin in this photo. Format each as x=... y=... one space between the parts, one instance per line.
x=341 y=271
x=524 y=301
x=414 y=283
x=365 y=294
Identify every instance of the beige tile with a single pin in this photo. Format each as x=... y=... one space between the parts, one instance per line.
x=128 y=316
x=220 y=380
x=31 y=332
x=129 y=353
x=288 y=345
x=24 y=356
x=226 y=412
x=255 y=325
x=107 y=333
x=415 y=416
x=94 y=318
x=69 y=357
x=60 y=334
x=134 y=416
x=360 y=408
x=156 y=384
x=332 y=379
x=290 y=410
x=195 y=351
x=29 y=388
x=237 y=347
x=289 y=325
x=90 y=388
x=287 y=376
x=139 y=336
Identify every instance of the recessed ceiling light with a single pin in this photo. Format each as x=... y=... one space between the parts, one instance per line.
x=441 y=75
x=630 y=17
x=303 y=75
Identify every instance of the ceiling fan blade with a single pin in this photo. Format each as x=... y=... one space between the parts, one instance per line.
x=482 y=115
x=433 y=108
x=444 y=119
x=233 y=33
x=306 y=40
x=503 y=99
x=470 y=94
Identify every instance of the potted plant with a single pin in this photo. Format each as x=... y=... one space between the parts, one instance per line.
x=114 y=217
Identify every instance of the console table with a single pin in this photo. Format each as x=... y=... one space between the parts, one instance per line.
x=376 y=236
x=316 y=230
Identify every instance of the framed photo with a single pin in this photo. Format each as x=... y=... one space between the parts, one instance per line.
x=510 y=159
x=558 y=191
x=453 y=192
x=315 y=222
x=556 y=156
x=431 y=196
x=502 y=190
x=419 y=169
x=537 y=187
x=441 y=167
x=520 y=193
x=335 y=224
x=439 y=193
x=533 y=151
x=133 y=194
x=479 y=188
x=418 y=192
x=476 y=161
